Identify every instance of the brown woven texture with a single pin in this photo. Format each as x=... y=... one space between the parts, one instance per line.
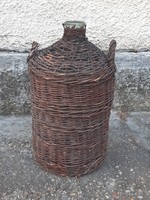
x=72 y=87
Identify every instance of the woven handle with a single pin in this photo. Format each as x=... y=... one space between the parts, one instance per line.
x=111 y=54
x=34 y=48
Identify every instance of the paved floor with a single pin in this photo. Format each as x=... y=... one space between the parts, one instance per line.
x=125 y=174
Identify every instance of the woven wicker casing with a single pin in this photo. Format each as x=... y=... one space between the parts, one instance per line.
x=72 y=87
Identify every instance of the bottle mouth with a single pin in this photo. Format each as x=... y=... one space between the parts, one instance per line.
x=74 y=24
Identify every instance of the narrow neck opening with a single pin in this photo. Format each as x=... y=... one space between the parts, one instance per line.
x=74 y=30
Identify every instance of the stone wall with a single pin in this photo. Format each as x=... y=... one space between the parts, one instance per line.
x=131 y=92
x=25 y=21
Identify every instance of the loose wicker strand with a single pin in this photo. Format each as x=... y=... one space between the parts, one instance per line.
x=34 y=48
x=111 y=54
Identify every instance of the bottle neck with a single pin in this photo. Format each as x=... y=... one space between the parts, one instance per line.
x=74 y=31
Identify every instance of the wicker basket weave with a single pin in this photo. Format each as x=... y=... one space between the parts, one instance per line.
x=72 y=87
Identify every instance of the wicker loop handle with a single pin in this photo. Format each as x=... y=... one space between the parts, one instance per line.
x=34 y=48
x=111 y=53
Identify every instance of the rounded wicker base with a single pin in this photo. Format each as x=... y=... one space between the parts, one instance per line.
x=71 y=160
x=70 y=171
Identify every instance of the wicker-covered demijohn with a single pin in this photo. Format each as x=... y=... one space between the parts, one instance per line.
x=72 y=87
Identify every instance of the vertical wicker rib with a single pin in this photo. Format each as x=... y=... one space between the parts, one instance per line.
x=72 y=87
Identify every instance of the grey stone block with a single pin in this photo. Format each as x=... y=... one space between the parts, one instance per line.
x=14 y=84
x=132 y=92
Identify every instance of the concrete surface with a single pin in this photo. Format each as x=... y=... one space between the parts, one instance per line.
x=125 y=174
x=131 y=92
x=25 y=21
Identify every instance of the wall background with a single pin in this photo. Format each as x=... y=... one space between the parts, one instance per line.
x=22 y=21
